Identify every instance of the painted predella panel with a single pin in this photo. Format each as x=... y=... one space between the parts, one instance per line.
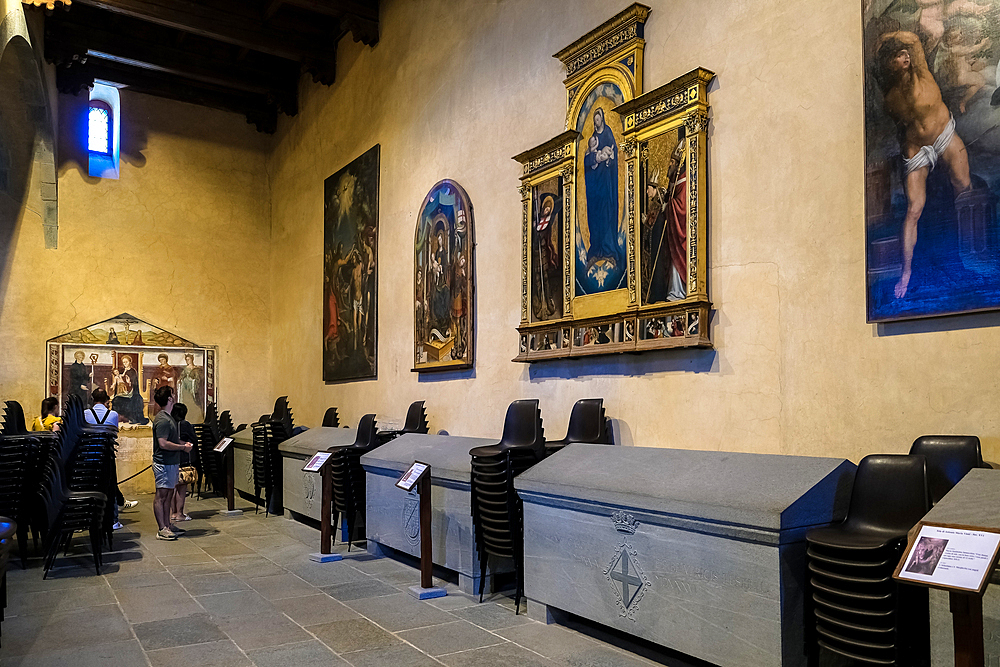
x=613 y=215
x=131 y=359
x=932 y=153
x=444 y=280
x=350 y=243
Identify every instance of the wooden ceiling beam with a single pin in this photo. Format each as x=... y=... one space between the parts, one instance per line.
x=337 y=8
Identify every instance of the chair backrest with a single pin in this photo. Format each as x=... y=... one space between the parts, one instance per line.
x=331 y=418
x=889 y=494
x=949 y=458
x=587 y=423
x=416 y=418
x=283 y=415
x=367 y=433
x=523 y=425
x=13 y=419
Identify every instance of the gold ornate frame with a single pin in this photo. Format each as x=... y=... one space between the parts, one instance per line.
x=618 y=320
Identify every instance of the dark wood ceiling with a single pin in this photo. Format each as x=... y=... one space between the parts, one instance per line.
x=238 y=55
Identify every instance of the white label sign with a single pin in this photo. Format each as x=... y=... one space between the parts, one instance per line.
x=317 y=461
x=221 y=447
x=411 y=476
x=951 y=557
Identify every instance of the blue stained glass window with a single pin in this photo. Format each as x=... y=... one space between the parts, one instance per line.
x=99 y=139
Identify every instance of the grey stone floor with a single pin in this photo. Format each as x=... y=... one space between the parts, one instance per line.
x=238 y=592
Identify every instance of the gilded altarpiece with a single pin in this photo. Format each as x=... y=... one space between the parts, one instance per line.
x=613 y=209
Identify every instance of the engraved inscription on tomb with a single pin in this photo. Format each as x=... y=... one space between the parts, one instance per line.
x=411 y=519
x=624 y=573
x=308 y=489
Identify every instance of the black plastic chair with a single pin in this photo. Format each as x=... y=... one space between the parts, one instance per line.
x=349 y=480
x=7 y=530
x=331 y=419
x=587 y=425
x=857 y=609
x=416 y=418
x=949 y=458
x=497 y=510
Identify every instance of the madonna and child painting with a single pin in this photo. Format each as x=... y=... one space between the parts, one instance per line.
x=932 y=156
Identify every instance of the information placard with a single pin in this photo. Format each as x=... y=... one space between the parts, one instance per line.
x=410 y=477
x=221 y=447
x=317 y=461
x=950 y=557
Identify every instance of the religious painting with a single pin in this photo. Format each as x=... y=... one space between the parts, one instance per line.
x=130 y=359
x=547 y=250
x=932 y=157
x=623 y=190
x=350 y=244
x=444 y=280
x=600 y=224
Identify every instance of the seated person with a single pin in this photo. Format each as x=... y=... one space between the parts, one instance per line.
x=50 y=419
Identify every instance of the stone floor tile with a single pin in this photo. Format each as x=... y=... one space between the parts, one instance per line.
x=27 y=581
x=193 y=629
x=250 y=566
x=48 y=602
x=207 y=584
x=324 y=574
x=315 y=609
x=352 y=635
x=253 y=632
x=76 y=629
x=281 y=586
x=305 y=654
x=454 y=600
x=236 y=604
x=194 y=569
x=116 y=654
x=492 y=616
x=355 y=590
x=450 y=637
x=120 y=580
x=213 y=654
x=503 y=655
x=155 y=603
x=186 y=559
x=399 y=612
x=552 y=641
x=398 y=655
x=234 y=549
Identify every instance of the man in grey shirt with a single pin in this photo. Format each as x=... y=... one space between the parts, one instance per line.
x=167 y=447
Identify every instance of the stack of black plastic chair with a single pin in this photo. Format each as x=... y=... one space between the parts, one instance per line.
x=587 y=425
x=349 y=480
x=261 y=469
x=65 y=511
x=331 y=419
x=20 y=472
x=226 y=427
x=92 y=468
x=497 y=511
x=857 y=609
x=949 y=459
x=7 y=530
x=268 y=433
x=211 y=472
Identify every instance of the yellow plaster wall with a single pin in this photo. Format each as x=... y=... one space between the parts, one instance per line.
x=454 y=89
x=179 y=240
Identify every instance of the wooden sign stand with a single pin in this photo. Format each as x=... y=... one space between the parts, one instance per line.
x=326 y=554
x=419 y=475
x=227 y=460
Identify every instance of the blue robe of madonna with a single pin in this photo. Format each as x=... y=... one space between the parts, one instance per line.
x=602 y=199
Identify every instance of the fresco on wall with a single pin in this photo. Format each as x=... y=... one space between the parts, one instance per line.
x=131 y=359
x=444 y=280
x=350 y=244
x=932 y=156
x=547 y=251
x=600 y=229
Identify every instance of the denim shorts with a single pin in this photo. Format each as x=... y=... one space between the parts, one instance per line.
x=166 y=476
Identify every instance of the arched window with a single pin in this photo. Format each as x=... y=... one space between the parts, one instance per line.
x=100 y=138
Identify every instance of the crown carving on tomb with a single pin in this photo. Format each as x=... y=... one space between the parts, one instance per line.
x=624 y=522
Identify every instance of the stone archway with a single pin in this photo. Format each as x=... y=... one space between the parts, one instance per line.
x=27 y=147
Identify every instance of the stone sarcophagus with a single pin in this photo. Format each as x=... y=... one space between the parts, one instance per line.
x=243 y=462
x=393 y=517
x=302 y=491
x=701 y=552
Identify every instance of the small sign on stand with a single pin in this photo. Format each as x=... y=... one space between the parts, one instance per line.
x=227 y=458
x=419 y=475
x=320 y=462
x=960 y=560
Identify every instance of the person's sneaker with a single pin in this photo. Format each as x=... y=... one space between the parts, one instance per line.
x=165 y=534
x=129 y=504
x=118 y=525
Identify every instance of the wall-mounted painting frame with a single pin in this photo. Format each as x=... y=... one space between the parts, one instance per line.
x=444 y=282
x=613 y=212
x=350 y=270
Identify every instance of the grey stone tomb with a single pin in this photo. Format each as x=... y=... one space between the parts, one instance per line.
x=302 y=491
x=701 y=552
x=393 y=517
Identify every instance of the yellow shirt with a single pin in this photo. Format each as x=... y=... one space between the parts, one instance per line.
x=45 y=425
